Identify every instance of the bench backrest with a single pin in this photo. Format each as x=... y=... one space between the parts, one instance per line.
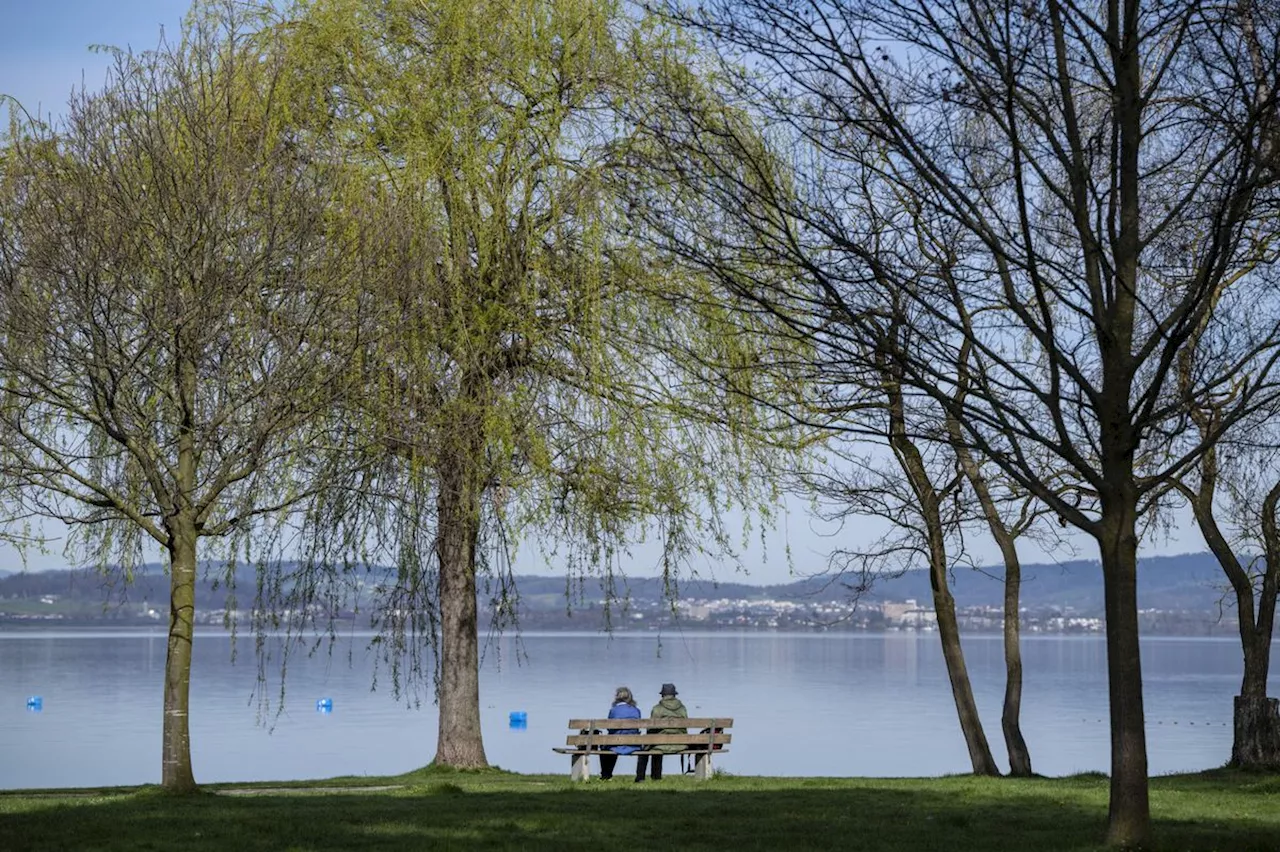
x=615 y=724
x=715 y=737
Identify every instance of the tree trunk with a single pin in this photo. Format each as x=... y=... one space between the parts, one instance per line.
x=944 y=604
x=1129 y=815
x=1129 y=823
x=1256 y=740
x=180 y=525
x=460 y=743
x=176 y=774
x=1257 y=733
x=1256 y=727
x=1011 y=715
x=1256 y=743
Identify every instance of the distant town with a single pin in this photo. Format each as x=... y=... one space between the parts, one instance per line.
x=1179 y=597
x=866 y=615
x=695 y=614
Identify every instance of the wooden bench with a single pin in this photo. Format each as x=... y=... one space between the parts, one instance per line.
x=597 y=740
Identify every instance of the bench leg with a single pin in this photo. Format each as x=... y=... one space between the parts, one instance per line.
x=702 y=768
x=579 y=767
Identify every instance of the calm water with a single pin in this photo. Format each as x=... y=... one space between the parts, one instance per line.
x=875 y=705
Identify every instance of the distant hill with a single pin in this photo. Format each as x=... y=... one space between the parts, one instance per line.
x=1190 y=582
x=1185 y=582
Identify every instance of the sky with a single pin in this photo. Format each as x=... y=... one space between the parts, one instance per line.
x=45 y=52
x=45 y=44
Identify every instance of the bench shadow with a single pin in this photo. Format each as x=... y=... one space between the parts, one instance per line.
x=598 y=816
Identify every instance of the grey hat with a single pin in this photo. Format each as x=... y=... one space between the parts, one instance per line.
x=668 y=689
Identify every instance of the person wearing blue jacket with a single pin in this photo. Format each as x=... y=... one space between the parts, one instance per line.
x=624 y=707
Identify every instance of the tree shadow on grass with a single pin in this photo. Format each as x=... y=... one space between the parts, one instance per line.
x=619 y=815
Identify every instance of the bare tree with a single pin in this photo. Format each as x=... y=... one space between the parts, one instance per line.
x=168 y=274
x=720 y=206
x=1098 y=174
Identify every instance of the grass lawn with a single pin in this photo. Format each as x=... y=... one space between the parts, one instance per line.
x=442 y=809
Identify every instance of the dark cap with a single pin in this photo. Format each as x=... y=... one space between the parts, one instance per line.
x=668 y=689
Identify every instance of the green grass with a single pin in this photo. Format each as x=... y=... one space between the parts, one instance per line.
x=441 y=809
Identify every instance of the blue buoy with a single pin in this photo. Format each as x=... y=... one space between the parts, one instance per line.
x=35 y=703
x=519 y=720
x=324 y=705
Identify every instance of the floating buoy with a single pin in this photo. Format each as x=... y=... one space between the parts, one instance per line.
x=35 y=703
x=324 y=705
x=519 y=720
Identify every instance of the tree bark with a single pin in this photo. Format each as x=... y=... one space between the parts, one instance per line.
x=1257 y=733
x=180 y=525
x=1011 y=714
x=1129 y=824
x=460 y=743
x=176 y=772
x=944 y=604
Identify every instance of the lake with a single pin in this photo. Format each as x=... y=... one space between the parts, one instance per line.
x=802 y=704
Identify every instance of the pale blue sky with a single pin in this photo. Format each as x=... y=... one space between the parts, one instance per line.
x=45 y=53
x=45 y=44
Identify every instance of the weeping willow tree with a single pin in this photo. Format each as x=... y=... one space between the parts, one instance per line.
x=168 y=267
x=529 y=374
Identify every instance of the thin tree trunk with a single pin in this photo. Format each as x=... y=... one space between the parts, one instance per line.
x=1256 y=718
x=460 y=743
x=1129 y=824
x=944 y=604
x=1011 y=713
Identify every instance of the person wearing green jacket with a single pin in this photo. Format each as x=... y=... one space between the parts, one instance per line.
x=669 y=707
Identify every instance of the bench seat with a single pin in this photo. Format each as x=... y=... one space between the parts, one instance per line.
x=707 y=736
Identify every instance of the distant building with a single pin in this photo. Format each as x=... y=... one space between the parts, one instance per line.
x=908 y=613
x=695 y=611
